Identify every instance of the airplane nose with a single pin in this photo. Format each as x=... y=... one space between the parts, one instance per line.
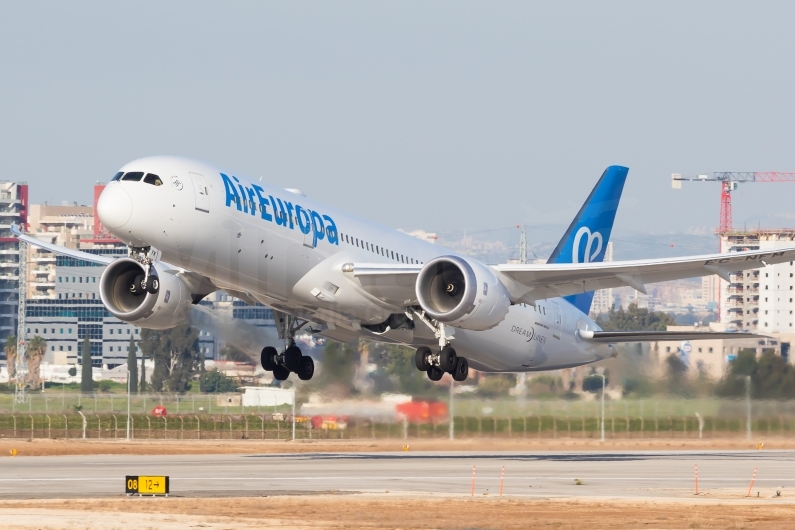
x=114 y=207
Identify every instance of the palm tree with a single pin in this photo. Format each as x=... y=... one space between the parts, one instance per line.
x=10 y=350
x=35 y=352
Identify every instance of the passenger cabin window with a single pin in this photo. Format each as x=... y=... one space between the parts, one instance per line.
x=134 y=176
x=151 y=178
x=117 y=176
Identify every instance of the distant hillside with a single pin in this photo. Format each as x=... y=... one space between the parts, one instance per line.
x=497 y=246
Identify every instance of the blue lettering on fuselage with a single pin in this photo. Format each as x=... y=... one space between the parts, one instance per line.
x=285 y=213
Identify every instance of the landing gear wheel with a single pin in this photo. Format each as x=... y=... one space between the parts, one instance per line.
x=268 y=358
x=306 y=369
x=292 y=358
x=448 y=359
x=421 y=358
x=137 y=286
x=280 y=373
x=434 y=373
x=152 y=284
x=461 y=369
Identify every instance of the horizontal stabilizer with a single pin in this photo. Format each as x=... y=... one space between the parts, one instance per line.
x=614 y=337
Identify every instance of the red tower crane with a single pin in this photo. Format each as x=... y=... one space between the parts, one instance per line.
x=729 y=181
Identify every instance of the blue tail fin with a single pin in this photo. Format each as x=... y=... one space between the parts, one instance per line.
x=586 y=238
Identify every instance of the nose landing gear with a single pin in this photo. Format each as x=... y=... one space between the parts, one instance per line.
x=147 y=282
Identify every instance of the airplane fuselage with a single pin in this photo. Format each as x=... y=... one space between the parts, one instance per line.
x=287 y=251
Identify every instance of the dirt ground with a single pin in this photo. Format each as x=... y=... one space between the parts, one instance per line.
x=165 y=447
x=394 y=512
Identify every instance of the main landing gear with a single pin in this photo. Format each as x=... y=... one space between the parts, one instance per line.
x=291 y=359
x=435 y=364
x=439 y=363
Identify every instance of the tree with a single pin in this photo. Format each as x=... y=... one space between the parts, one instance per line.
x=399 y=372
x=635 y=319
x=214 y=381
x=87 y=376
x=772 y=377
x=132 y=366
x=176 y=355
x=338 y=368
x=676 y=382
x=35 y=351
x=593 y=383
x=10 y=350
x=232 y=353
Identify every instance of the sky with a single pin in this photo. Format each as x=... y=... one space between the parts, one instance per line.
x=446 y=116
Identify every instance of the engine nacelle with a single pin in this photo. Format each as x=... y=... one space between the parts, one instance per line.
x=462 y=293
x=166 y=309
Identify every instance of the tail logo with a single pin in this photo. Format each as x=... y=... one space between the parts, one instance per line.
x=593 y=245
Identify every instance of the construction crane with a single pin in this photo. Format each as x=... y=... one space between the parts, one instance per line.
x=729 y=181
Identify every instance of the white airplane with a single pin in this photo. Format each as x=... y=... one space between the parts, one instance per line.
x=193 y=229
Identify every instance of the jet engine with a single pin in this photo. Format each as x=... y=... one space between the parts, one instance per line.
x=462 y=293
x=119 y=288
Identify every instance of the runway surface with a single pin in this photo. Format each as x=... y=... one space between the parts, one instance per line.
x=607 y=474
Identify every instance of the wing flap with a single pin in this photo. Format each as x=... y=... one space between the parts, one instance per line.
x=393 y=284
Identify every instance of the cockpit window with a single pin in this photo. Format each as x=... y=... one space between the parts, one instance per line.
x=134 y=176
x=151 y=178
x=117 y=176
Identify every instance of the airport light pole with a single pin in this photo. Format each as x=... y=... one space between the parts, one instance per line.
x=748 y=430
x=128 y=404
x=603 y=406
x=748 y=406
x=450 y=411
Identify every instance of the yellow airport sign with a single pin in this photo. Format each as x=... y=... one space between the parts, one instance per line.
x=146 y=485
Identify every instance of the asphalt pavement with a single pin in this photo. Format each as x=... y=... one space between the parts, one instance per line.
x=548 y=474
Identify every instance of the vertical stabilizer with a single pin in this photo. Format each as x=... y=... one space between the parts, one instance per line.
x=586 y=239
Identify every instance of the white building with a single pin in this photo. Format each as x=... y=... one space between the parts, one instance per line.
x=603 y=298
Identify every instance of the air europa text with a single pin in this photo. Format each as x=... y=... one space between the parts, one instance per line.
x=282 y=212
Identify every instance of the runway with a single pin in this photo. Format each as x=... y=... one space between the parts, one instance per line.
x=607 y=474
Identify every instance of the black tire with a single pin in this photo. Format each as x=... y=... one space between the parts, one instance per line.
x=152 y=285
x=280 y=373
x=434 y=373
x=461 y=369
x=137 y=286
x=292 y=358
x=268 y=358
x=421 y=358
x=307 y=368
x=447 y=359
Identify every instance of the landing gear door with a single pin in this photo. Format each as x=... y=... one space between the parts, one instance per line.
x=201 y=192
x=557 y=321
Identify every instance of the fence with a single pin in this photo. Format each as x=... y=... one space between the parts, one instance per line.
x=278 y=427
x=659 y=407
x=98 y=403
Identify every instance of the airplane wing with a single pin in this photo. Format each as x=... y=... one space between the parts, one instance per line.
x=58 y=249
x=615 y=337
x=200 y=285
x=540 y=281
x=531 y=282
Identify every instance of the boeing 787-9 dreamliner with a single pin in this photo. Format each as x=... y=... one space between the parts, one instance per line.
x=192 y=229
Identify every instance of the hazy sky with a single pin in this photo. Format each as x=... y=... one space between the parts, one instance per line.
x=436 y=115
